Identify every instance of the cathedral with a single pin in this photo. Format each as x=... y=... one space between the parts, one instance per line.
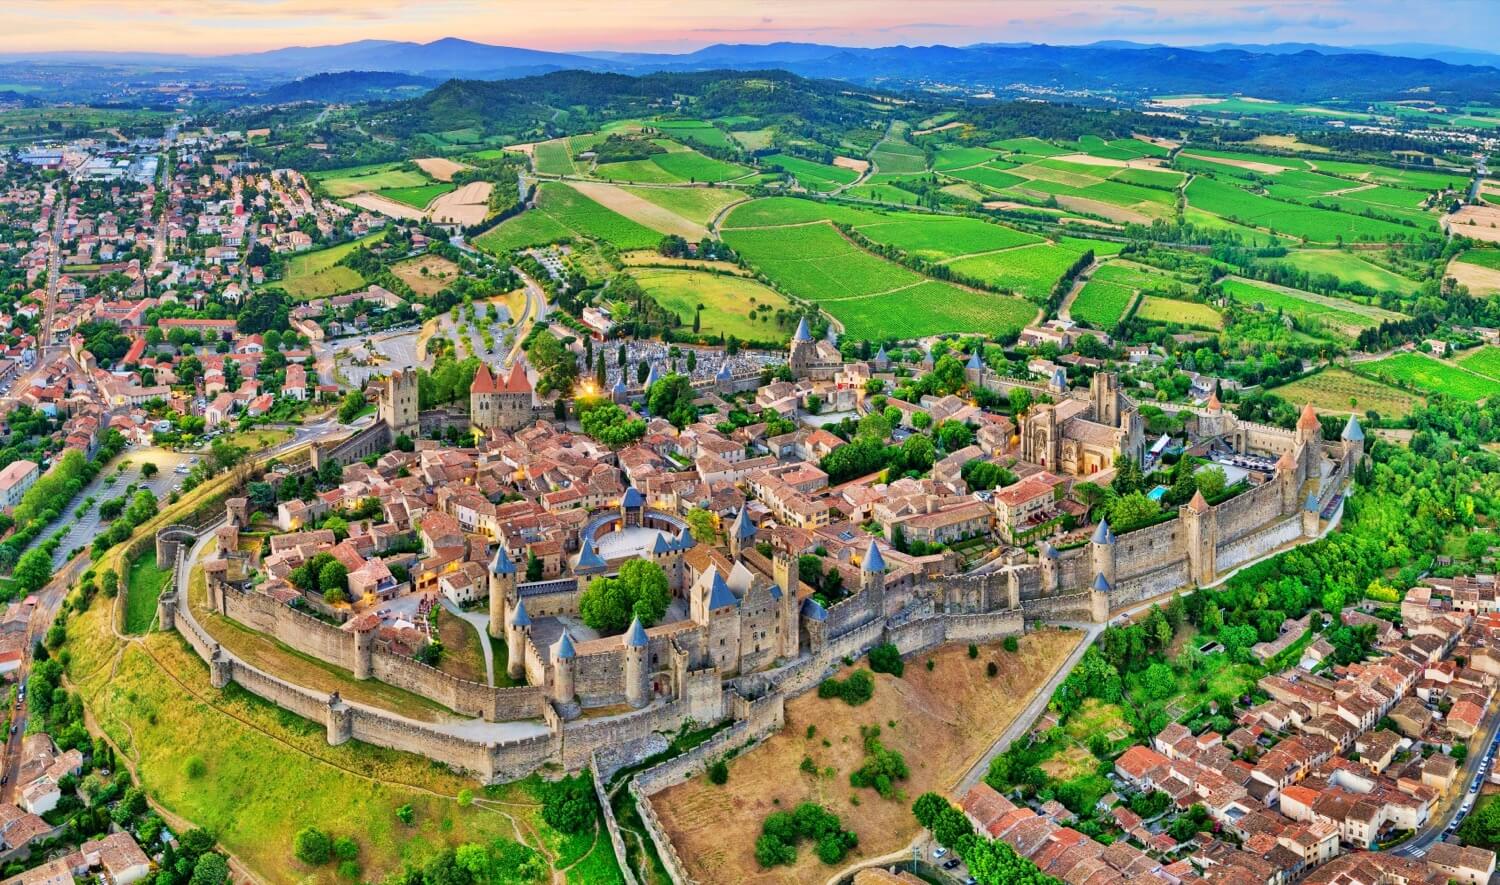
x=1081 y=438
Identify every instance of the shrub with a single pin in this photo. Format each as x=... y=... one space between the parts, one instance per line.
x=855 y=690
x=194 y=767
x=345 y=848
x=1012 y=644
x=311 y=846
x=931 y=664
x=973 y=651
x=781 y=831
x=887 y=659
x=568 y=806
x=405 y=814
x=991 y=669
x=349 y=870
x=881 y=767
x=718 y=772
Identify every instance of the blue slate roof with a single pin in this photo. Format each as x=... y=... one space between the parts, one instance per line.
x=880 y=355
x=652 y=376
x=636 y=635
x=873 y=561
x=619 y=386
x=1102 y=534
x=563 y=650
x=1312 y=503
x=632 y=498
x=743 y=528
x=803 y=333
x=1060 y=378
x=1352 y=431
x=724 y=373
x=1101 y=583
x=1048 y=551
x=588 y=557
x=975 y=362
x=500 y=563
x=661 y=545
x=719 y=594
x=518 y=617
x=775 y=592
x=813 y=611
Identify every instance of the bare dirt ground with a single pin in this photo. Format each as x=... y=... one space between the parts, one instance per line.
x=1102 y=209
x=1253 y=166
x=1091 y=222
x=623 y=201
x=1480 y=280
x=1190 y=101
x=385 y=206
x=851 y=163
x=440 y=272
x=467 y=205
x=526 y=148
x=1159 y=142
x=941 y=721
x=440 y=168
x=1010 y=204
x=1476 y=222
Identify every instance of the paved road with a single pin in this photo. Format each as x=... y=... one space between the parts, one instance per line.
x=54 y=270
x=1425 y=838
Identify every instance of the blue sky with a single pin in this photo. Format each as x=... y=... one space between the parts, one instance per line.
x=205 y=26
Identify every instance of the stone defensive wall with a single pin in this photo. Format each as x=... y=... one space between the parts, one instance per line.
x=342 y=648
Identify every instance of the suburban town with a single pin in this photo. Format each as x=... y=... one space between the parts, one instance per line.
x=1050 y=460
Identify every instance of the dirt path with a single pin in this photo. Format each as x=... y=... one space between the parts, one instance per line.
x=1065 y=309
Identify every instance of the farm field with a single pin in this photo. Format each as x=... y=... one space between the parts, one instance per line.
x=1477 y=269
x=1349 y=267
x=729 y=302
x=563 y=212
x=416 y=197
x=554 y=158
x=883 y=193
x=1028 y=145
x=1102 y=304
x=318 y=274
x=957 y=157
x=937 y=237
x=1341 y=317
x=813 y=176
x=1028 y=270
x=632 y=203
x=439 y=272
x=1340 y=391
x=1432 y=375
x=693 y=166
x=358 y=179
x=1315 y=225
x=697 y=130
x=697 y=204
x=1182 y=313
x=1484 y=361
x=940 y=720
x=781 y=211
x=442 y=168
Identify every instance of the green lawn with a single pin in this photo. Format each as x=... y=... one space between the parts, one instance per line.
x=357 y=179
x=318 y=274
x=142 y=587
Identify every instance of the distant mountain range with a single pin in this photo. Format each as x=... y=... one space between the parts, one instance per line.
x=1288 y=71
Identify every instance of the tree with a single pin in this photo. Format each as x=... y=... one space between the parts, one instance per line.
x=1211 y=482
x=886 y=658
x=1132 y=511
x=333 y=581
x=149 y=469
x=718 y=772
x=1159 y=682
x=639 y=591
x=701 y=524
x=353 y=404
x=568 y=805
x=608 y=423
x=211 y=869
x=533 y=567
x=312 y=846
x=33 y=570
x=672 y=398
x=953 y=435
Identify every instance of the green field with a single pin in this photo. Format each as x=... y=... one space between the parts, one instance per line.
x=696 y=204
x=417 y=197
x=1028 y=145
x=1349 y=267
x=1101 y=304
x=987 y=175
x=1422 y=372
x=871 y=297
x=1336 y=316
x=1339 y=390
x=883 y=193
x=563 y=213
x=937 y=237
x=1029 y=270
x=697 y=130
x=357 y=179
x=554 y=158
x=951 y=157
x=894 y=155
x=142 y=586
x=1482 y=361
x=780 y=211
x=1182 y=313
x=1315 y=225
x=1489 y=258
x=728 y=302
x=816 y=177
x=693 y=166
x=318 y=274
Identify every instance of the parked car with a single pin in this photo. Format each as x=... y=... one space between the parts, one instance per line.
x=951 y=864
x=939 y=851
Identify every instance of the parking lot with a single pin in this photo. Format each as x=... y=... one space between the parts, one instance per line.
x=83 y=530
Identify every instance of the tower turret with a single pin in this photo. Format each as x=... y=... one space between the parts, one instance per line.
x=517 y=628
x=784 y=572
x=637 y=689
x=872 y=578
x=564 y=661
x=1102 y=551
x=1202 y=526
x=741 y=533
x=1352 y=441
x=502 y=581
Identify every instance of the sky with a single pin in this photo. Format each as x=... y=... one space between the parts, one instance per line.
x=218 y=26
